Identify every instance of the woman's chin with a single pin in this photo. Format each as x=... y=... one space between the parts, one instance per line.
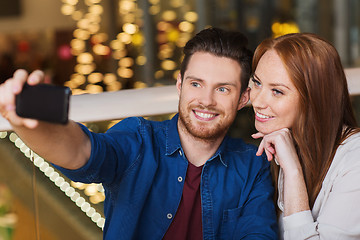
x=266 y=131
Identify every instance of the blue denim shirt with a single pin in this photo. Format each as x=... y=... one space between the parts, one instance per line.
x=142 y=167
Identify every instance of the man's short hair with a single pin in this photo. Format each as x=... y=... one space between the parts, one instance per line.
x=221 y=43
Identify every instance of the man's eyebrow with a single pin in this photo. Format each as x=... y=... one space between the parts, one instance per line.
x=271 y=84
x=194 y=78
x=202 y=80
x=226 y=84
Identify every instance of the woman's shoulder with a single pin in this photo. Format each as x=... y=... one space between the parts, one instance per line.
x=347 y=155
x=350 y=143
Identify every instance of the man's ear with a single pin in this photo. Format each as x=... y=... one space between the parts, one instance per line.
x=178 y=83
x=244 y=98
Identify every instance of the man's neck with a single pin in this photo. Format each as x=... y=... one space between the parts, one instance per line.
x=198 y=151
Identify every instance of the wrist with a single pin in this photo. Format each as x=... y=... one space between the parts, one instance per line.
x=295 y=173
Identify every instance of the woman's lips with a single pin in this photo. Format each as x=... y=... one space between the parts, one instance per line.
x=262 y=117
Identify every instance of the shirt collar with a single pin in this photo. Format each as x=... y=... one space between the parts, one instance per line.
x=220 y=153
x=173 y=141
x=172 y=136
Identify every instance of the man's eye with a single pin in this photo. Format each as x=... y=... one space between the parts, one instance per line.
x=223 y=89
x=195 y=84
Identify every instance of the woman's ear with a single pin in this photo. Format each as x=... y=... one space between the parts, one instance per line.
x=244 y=98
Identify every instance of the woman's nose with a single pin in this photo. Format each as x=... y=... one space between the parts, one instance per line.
x=258 y=98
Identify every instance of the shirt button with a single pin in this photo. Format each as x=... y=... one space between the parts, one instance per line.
x=180 y=179
x=169 y=216
x=180 y=152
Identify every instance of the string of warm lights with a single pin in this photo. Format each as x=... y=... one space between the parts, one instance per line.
x=94 y=191
x=130 y=15
x=88 y=26
x=175 y=28
x=87 y=45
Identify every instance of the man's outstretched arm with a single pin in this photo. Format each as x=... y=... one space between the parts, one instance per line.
x=64 y=145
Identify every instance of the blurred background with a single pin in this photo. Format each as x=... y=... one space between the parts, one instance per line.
x=95 y=46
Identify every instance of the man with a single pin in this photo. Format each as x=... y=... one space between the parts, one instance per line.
x=178 y=179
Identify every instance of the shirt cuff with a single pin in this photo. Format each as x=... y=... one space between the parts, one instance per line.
x=297 y=220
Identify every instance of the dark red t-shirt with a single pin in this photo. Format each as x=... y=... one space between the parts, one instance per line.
x=187 y=223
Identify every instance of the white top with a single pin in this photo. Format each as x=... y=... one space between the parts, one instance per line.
x=336 y=211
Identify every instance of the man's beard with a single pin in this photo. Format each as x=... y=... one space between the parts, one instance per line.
x=206 y=131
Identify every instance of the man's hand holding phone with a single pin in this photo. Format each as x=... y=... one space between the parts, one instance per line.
x=24 y=100
x=8 y=92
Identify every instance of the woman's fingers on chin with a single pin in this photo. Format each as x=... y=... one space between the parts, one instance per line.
x=271 y=149
x=260 y=148
x=257 y=135
x=259 y=152
x=268 y=155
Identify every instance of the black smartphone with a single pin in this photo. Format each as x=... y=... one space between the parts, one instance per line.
x=44 y=102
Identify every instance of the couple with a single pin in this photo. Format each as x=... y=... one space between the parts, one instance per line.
x=185 y=179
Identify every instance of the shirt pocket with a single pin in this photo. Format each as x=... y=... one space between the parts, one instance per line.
x=230 y=222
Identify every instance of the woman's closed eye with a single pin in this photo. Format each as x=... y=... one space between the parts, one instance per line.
x=277 y=92
x=256 y=82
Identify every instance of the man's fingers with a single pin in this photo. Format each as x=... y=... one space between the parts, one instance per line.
x=15 y=120
x=36 y=77
x=30 y=123
x=7 y=97
x=13 y=87
x=18 y=81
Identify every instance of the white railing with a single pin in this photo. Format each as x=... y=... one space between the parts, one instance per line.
x=142 y=102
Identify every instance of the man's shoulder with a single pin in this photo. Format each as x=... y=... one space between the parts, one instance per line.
x=243 y=154
x=132 y=123
x=239 y=145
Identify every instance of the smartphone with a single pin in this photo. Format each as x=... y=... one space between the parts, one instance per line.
x=44 y=102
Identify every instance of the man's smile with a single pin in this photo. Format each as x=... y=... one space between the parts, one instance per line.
x=204 y=115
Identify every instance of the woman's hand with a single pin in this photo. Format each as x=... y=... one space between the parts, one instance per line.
x=279 y=144
x=8 y=91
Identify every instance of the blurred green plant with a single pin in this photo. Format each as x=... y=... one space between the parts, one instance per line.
x=8 y=219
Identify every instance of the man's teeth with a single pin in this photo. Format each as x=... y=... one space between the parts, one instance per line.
x=205 y=115
x=262 y=116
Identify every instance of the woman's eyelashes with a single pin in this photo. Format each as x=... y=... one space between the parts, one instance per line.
x=255 y=81
x=257 y=84
x=277 y=92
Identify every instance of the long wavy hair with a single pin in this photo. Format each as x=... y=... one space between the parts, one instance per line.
x=326 y=116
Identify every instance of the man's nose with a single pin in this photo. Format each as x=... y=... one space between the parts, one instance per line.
x=207 y=98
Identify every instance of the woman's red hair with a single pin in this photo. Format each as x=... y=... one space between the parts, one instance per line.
x=326 y=116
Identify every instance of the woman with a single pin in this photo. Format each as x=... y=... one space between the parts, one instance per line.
x=304 y=116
